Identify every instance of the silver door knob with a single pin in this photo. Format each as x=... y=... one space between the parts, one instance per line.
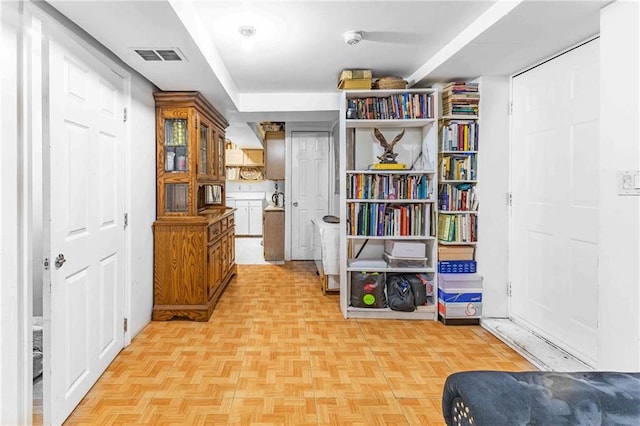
x=295 y=204
x=60 y=261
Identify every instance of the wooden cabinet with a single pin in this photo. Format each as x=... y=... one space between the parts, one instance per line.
x=273 y=238
x=274 y=144
x=193 y=226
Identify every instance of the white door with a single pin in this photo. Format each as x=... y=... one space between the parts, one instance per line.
x=86 y=196
x=554 y=172
x=309 y=188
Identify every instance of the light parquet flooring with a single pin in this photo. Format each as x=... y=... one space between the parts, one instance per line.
x=276 y=351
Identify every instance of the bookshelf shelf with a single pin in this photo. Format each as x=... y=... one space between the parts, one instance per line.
x=391 y=205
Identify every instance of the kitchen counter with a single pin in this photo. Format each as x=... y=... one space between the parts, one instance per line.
x=271 y=208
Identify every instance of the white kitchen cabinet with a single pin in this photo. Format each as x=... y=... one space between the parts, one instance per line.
x=248 y=217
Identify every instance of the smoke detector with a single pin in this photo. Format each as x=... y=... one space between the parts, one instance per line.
x=352 y=37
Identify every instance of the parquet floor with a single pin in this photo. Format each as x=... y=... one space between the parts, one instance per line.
x=276 y=351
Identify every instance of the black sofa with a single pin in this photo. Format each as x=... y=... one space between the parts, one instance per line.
x=496 y=398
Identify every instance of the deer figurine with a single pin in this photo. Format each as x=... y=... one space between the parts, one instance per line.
x=388 y=157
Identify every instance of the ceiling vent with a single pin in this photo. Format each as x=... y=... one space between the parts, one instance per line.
x=160 y=54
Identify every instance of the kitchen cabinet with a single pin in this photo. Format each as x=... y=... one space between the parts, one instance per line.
x=191 y=260
x=249 y=217
x=274 y=143
x=273 y=238
x=244 y=163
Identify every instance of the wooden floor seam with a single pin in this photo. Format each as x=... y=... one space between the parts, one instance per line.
x=277 y=351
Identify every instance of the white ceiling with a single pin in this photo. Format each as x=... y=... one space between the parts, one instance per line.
x=289 y=70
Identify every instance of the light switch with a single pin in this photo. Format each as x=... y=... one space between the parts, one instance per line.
x=629 y=182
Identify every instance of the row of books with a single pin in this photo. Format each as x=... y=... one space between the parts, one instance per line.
x=460 y=136
x=458 y=167
x=398 y=106
x=388 y=187
x=380 y=219
x=461 y=197
x=460 y=98
x=457 y=228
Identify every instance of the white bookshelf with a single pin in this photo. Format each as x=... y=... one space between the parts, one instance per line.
x=359 y=150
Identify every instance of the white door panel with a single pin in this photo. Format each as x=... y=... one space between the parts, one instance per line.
x=309 y=189
x=86 y=224
x=554 y=213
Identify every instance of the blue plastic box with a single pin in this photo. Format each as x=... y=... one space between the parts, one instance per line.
x=457 y=266
x=459 y=297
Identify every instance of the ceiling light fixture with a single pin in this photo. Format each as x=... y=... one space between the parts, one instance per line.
x=247 y=31
x=352 y=37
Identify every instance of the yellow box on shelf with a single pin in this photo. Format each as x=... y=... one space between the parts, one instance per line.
x=388 y=166
x=355 y=84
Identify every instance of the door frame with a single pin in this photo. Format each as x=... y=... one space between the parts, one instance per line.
x=48 y=23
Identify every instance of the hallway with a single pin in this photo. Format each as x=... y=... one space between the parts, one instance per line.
x=276 y=351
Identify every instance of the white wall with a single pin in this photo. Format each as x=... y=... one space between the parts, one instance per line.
x=619 y=222
x=142 y=201
x=14 y=390
x=492 y=253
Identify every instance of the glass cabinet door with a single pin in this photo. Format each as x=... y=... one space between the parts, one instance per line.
x=176 y=197
x=204 y=141
x=220 y=151
x=176 y=149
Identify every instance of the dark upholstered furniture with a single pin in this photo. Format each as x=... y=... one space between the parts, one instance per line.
x=496 y=398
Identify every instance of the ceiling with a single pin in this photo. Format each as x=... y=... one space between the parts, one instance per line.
x=289 y=70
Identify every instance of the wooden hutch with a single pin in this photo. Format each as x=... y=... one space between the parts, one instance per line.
x=194 y=237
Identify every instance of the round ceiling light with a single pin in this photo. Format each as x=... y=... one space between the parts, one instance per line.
x=352 y=37
x=247 y=31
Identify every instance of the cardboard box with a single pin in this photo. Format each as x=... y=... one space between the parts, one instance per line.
x=355 y=84
x=405 y=248
x=457 y=266
x=458 y=297
x=460 y=310
x=455 y=252
x=356 y=74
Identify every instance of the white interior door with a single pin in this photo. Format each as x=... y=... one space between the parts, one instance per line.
x=554 y=172
x=86 y=223
x=309 y=188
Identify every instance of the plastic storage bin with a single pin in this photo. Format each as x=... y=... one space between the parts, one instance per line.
x=460 y=283
x=405 y=262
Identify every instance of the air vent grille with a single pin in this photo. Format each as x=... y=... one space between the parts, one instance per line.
x=152 y=54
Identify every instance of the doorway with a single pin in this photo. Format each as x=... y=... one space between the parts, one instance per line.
x=554 y=168
x=309 y=188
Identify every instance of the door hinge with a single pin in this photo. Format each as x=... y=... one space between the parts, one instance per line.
x=510 y=108
x=46 y=263
x=509 y=289
x=509 y=199
x=126 y=325
x=126 y=220
x=124 y=115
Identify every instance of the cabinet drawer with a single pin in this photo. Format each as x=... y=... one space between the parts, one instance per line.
x=223 y=224
x=214 y=230
x=231 y=221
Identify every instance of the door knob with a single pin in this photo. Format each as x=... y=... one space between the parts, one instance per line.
x=60 y=260
x=295 y=204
